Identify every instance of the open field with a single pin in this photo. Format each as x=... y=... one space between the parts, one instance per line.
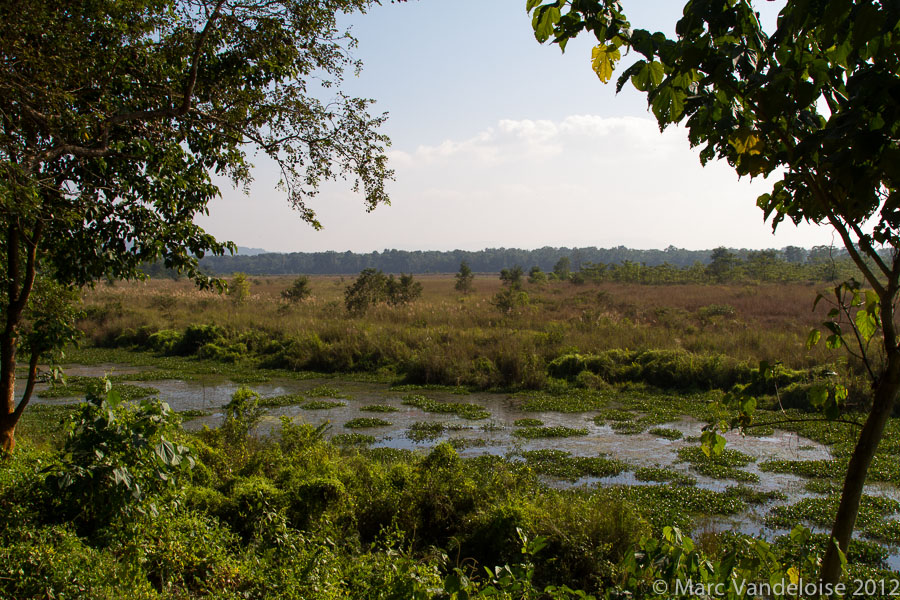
x=449 y=338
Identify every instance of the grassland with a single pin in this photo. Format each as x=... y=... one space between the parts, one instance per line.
x=452 y=339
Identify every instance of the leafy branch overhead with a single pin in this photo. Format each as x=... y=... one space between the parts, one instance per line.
x=119 y=118
x=814 y=104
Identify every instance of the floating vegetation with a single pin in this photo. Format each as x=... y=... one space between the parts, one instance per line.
x=664 y=475
x=628 y=427
x=667 y=433
x=453 y=389
x=572 y=401
x=751 y=496
x=194 y=413
x=677 y=505
x=821 y=512
x=283 y=400
x=429 y=430
x=366 y=422
x=491 y=426
x=818 y=469
x=822 y=486
x=764 y=431
x=353 y=439
x=558 y=463
x=326 y=391
x=321 y=405
x=616 y=414
x=250 y=377
x=379 y=408
x=464 y=410
x=79 y=386
x=860 y=552
x=528 y=423
x=549 y=432
x=462 y=443
x=722 y=466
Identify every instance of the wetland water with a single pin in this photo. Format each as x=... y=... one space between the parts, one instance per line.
x=496 y=434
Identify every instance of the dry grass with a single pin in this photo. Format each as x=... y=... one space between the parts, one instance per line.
x=447 y=334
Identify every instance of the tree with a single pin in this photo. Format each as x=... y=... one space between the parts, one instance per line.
x=512 y=277
x=721 y=264
x=816 y=104
x=299 y=290
x=536 y=276
x=367 y=290
x=403 y=290
x=464 y=278
x=562 y=268
x=373 y=287
x=239 y=288
x=116 y=113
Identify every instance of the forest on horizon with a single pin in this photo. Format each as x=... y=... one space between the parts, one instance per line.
x=490 y=260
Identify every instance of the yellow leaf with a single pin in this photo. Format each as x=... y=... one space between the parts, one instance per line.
x=745 y=142
x=794 y=575
x=603 y=61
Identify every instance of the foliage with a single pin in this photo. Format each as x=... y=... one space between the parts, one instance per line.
x=298 y=291
x=239 y=288
x=117 y=457
x=373 y=287
x=366 y=422
x=810 y=102
x=464 y=278
x=105 y=161
x=512 y=277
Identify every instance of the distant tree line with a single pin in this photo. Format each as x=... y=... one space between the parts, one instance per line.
x=491 y=260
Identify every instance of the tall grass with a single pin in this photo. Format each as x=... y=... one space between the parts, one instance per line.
x=453 y=339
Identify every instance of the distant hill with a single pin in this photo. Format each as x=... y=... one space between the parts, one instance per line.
x=490 y=260
x=245 y=251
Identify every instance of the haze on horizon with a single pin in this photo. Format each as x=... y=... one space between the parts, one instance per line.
x=501 y=142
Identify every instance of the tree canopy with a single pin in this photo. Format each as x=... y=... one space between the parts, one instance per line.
x=815 y=104
x=118 y=115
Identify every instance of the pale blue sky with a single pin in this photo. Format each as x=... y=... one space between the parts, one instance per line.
x=499 y=141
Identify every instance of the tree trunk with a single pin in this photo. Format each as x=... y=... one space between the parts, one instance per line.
x=19 y=288
x=7 y=392
x=858 y=469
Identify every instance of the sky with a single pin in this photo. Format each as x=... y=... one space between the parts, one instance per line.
x=498 y=141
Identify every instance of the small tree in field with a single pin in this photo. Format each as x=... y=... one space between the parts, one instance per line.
x=373 y=287
x=816 y=103
x=464 y=278
x=536 y=276
x=563 y=268
x=239 y=288
x=403 y=290
x=299 y=290
x=512 y=278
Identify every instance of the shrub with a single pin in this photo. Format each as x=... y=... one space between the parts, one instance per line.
x=299 y=290
x=117 y=457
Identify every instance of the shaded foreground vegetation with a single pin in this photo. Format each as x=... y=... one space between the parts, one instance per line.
x=224 y=513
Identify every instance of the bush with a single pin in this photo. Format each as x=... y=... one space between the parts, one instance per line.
x=117 y=458
x=299 y=290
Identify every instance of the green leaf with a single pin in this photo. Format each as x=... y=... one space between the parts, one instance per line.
x=711 y=443
x=668 y=104
x=818 y=396
x=866 y=324
x=814 y=336
x=650 y=75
